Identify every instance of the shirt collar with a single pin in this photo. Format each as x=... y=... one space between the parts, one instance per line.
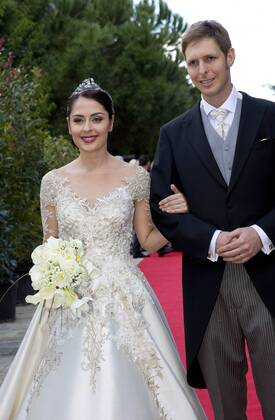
x=230 y=103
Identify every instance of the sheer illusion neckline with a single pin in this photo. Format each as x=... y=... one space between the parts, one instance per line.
x=66 y=183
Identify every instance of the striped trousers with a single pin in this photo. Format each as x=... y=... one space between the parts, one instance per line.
x=239 y=317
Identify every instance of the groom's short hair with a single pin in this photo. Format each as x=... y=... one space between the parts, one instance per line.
x=207 y=29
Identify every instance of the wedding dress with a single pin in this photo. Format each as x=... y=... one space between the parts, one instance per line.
x=116 y=362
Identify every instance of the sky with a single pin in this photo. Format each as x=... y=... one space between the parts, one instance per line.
x=251 y=26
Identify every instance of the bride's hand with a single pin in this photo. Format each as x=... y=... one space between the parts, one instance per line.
x=174 y=203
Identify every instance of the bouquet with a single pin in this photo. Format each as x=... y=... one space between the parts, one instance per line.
x=59 y=267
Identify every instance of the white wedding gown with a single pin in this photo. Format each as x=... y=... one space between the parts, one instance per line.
x=119 y=360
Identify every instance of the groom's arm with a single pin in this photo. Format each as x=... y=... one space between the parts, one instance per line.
x=267 y=226
x=185 y=231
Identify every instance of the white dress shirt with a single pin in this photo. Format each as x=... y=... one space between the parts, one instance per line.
x=230 y=104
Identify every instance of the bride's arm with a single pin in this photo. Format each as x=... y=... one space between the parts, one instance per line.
x=49 y=222
x=148 y=235
x=48 y=210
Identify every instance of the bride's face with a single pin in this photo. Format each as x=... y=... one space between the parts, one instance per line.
x=89 y=124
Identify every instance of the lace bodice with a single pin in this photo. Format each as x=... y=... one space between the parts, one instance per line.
x=106 y=227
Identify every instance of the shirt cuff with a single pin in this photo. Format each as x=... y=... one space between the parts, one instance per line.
x=212 y=255
x=266 y=242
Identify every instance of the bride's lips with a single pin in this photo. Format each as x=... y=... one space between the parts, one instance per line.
x=88 y=139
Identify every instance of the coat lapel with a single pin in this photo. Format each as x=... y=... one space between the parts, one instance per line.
x=251 y=116
x=195 y=134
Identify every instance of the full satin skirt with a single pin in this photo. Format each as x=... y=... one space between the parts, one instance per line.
x=86 y=374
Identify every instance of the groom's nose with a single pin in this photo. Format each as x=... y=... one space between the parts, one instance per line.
x=203 y=68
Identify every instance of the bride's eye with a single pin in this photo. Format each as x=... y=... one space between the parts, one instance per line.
x=97 y=119
x=77 y=120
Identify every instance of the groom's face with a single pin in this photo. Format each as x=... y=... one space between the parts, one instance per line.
x=209 y=69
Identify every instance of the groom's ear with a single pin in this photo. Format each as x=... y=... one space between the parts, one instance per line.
x=230 y=58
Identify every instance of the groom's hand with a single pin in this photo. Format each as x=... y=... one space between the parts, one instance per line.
x=223 y=239
x=244 y=244
x=174 y=203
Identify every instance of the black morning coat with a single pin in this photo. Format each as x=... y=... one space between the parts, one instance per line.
x=184 y=157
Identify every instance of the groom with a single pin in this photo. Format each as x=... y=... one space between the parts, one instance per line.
x=221 y=154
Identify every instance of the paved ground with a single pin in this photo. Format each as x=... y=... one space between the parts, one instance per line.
x=11 y=335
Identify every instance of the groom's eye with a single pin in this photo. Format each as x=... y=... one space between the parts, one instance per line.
x=210 y=58
x=192 y=63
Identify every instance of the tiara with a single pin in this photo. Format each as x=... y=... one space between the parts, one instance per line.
x=89 y=84
x=86 y=84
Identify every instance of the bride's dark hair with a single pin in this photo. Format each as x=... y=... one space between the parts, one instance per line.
x=90 y=90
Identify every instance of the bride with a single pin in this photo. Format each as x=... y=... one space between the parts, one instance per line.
x=119 y=360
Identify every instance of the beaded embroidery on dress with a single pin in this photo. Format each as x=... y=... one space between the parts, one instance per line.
x=119 y=360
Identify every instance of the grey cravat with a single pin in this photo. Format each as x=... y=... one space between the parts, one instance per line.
x=219 y=115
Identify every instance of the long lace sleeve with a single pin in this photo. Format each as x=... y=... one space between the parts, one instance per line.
x=48 y=206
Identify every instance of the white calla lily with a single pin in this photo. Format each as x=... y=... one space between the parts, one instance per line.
x=34 y=299
x=37 y=277
x=47 y=292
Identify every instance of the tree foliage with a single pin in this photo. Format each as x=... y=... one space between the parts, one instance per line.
x=131 y=50
x=24 y=138
x=22 y=130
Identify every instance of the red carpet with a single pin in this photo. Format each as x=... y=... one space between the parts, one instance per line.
x=164 y=275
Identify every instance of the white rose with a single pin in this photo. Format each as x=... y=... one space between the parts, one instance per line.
x=69 y=265
x=61 y=279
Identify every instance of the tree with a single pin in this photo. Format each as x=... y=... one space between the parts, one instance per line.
x=132 y=51
x=23 y=126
